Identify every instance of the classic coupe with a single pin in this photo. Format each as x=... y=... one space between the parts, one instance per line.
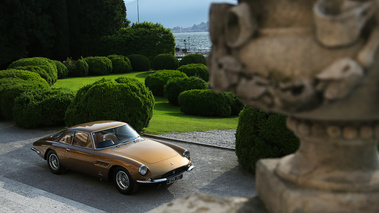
x=113 y=150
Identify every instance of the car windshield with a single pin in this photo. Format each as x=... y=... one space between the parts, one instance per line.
x=114 y=136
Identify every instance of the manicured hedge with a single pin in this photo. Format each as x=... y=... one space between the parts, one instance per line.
x=120 y=64
x=43 y=66
x=77 y=68
x=205 y=103
x=156 y=81
x=165 y=62
x=177 y=85
x=139 y=62
x=61 y=68
x=22 y=74
x=193 y=59
x=262 y=135
x=13 y=87
x=199 y=70
x=42 y=107
x=123 y=99
x=99 y=65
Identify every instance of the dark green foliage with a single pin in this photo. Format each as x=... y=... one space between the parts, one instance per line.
x=165 y=62
x=124 y=99
x=59 y=15
x=177 y=85
x=61 y=68
x=120 y=64
x=147 y=39
x=199 y=70
x=156 y=81
x=262 y=135
x=205 y=103
x=13 y=87
x=42 y=107
x=193 y=59
x=77 y=68
x=43 y=66
x=235 y=103
x=22 y=74
x=99 y=65
x=139 y=62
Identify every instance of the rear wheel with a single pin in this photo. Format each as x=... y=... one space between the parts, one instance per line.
x=124 y=182
x=54 y=163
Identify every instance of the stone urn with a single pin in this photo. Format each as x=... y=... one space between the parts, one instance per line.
x=318 y=63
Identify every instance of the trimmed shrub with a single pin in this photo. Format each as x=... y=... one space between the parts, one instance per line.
x=139 y=62
x=193 y=59
x=43 y=66
x=61 y=68
x=123 y=99
x=199 y=70
x=120 y=64
x=205 y=103
x=99 y=65
x=235 y=103
x=22 y=74
x=156 y=81
x=165 y=62
x=77 y=68
x=262 y=135
x=177 y=85
x=42 y=107
x=11 y=88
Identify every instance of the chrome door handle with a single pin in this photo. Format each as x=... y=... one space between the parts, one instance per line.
x=67 y=149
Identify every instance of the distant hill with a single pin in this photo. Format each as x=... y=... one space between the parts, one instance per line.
x=203 y=27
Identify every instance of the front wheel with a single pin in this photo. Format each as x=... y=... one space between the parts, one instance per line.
x=54 y=163
x=124 y=182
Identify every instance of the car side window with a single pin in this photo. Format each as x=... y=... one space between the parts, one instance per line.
x=82 y=139
x=67 y=138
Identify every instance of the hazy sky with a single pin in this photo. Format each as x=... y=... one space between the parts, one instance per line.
x=171 y=13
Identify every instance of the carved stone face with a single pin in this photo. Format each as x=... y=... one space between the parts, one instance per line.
x=311 y=59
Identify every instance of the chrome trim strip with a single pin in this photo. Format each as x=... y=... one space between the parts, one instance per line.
x=34 y=149
x=152 y=181
x=190 y=168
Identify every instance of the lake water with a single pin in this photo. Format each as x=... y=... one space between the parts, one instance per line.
x=194 y=42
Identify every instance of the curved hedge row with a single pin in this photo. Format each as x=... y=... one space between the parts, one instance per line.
x=61 y=68
x=99 y=65
x=42 y=107
x=120 y=64
x=139 y=62
x=207 y=103
x=165 y=62
x=43 y=66
x=193 y=59
x=262 y=135
x=177 y=85
x=157 y=80
x=199 y=70
x=124 y=99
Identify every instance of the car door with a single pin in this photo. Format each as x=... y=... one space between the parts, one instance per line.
x=61 y=147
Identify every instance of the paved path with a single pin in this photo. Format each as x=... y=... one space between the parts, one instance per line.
x=27 y=185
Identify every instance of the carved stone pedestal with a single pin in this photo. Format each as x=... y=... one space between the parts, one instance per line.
x=283 y=196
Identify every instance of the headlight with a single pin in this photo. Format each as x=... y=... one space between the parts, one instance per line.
x=187 y=154
x=142 y=170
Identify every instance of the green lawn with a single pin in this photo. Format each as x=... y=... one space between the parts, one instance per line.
x=166 y=118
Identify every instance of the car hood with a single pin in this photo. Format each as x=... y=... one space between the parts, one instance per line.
x=145 y=151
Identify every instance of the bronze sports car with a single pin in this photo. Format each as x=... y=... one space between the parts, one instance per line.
x=113 y=150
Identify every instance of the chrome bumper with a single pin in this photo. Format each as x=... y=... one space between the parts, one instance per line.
x=38 y=152
x=190 y=168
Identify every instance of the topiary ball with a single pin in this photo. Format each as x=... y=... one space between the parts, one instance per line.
x=205 y=103
x=61 y=68
x=80 y=68
x=120 y=63
x=139 y=62
x=193 y=59
x=199 y=70
x=42 y=107
x=165 y=62
x=156 y=81
x=177 y=85
x=122 y=99
x=43 y=66
x=99 y=65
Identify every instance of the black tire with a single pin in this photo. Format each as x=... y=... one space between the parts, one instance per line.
x=124 y=182
x=54 y=163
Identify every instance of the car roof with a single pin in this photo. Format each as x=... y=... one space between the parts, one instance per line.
x=96 y=126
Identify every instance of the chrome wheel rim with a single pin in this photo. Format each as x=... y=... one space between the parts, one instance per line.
x=54 y=161
x=122 y=180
